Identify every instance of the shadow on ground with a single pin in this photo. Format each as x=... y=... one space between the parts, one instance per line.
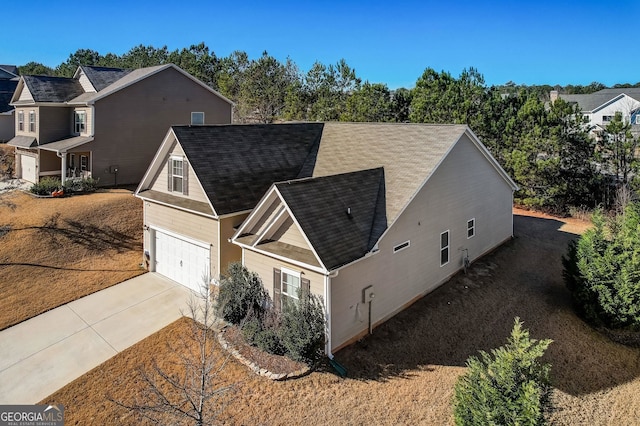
x=476 y=311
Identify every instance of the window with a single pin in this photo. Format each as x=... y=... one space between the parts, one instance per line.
x=21 y=121
x=607 y=118
x=287 y=285
x=402 y=246
x=32 y=121
x=638 y=118
x=471 y=228
x=79 y=121
x=197 y=118
x=444 y=248
x=176 y=174
x=84 y=163
x=290 y=285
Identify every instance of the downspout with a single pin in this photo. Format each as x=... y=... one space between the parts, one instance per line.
x=327 y=303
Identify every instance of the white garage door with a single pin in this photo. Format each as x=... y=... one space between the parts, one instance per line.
x=28 y=167
x=181 y=260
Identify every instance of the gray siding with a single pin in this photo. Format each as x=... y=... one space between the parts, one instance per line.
x=52 y=123
x=7 y=127
x=183 y=223
x=229 y=252
x=131 y=124
x=463 y=187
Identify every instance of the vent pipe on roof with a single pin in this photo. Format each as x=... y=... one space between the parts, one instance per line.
x=349 y=212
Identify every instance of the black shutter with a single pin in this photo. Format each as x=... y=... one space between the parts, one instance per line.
x=277 y=282
x=169 y=179
x=185 y=176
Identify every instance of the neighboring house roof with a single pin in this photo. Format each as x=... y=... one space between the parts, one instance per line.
x=52 y=89
x=102 y=77
x=343 y=216
x=7 y=87
x=592 y=101
x=105 y=80
x=23 y=141
x=236 y=164
x=8 y=72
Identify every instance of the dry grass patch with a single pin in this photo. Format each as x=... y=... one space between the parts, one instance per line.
x=53 y=251
x=405 y=372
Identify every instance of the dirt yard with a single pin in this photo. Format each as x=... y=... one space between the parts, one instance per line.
x=53 y=251
x=405 y=372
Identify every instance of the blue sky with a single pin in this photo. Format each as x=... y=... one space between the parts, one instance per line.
x=392 y=42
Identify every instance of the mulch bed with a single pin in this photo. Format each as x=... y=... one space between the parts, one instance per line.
x=274 y=363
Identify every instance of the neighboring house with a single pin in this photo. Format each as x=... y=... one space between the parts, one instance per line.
x=8 y=82
x=348 y=210
x=105 y=123
x=600 y=107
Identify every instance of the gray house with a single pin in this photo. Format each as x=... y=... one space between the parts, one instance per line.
x=105 y=123
x=8 y=82
x=370 y=216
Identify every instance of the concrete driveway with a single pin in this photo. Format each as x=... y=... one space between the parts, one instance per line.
x=44 y=353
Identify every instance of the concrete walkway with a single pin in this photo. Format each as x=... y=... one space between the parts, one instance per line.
x=44 y=353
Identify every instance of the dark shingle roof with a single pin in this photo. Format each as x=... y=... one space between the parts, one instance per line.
x=52 y=89
x=236 y=164
x=101 y=77
x=7 y=87
x=10 y=70
x=321 y=206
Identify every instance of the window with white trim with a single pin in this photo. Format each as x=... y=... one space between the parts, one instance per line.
x=176 y=174
x=444 y=248
x=21 y=121
x=402 y=246
x=607 y=118
x=638 y=118
x=79 y=121
x=471 y=228
x=84 y=163
x=32 y=121
x=290 y=288
x=197 y=118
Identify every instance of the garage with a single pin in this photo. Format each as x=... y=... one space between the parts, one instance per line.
x=182 y=259
x=28 y=168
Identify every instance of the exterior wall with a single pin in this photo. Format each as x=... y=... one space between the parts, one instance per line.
x=25 y=131
x=7 y=126
x=50 y=164
x=290 y=234
x=85 y=83
x=625 y=106
x=160 y=181
x=52 y=124
x=263 y=265
x=131 y=124
x=464 y=186
x=229 y=252
x=194 y=226
x=25 y=94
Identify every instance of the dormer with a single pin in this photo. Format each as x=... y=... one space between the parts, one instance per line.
x=82 y=77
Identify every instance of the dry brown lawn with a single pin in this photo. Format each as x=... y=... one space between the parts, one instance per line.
x=53 y=251
x=405 y=372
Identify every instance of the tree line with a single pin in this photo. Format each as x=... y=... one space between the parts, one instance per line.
x=546 y=147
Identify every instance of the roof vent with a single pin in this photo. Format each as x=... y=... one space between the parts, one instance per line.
x=349 y=213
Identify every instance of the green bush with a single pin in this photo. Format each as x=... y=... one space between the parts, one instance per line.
x=46 y=186
x=302 y=331
x=241 y=295
x=81 y=185
x=602 y=270
x=506 y=387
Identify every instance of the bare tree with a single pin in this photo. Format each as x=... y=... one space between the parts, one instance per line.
x=189 y=390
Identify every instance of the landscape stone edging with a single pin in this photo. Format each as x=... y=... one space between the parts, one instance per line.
x=253 y=366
